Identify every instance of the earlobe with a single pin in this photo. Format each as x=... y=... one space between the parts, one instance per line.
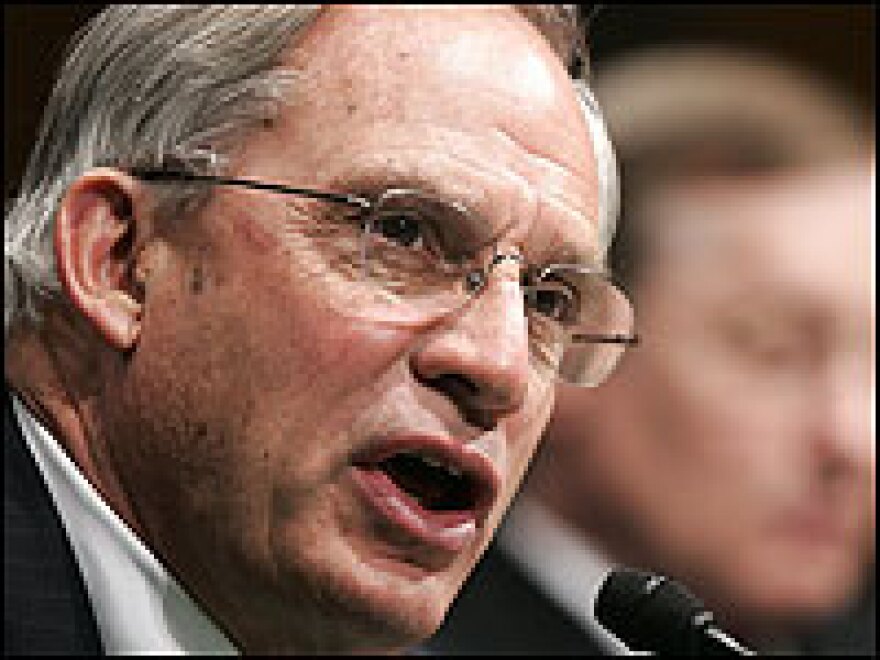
x=94 y=252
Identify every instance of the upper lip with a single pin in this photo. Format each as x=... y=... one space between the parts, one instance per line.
x=467 y=460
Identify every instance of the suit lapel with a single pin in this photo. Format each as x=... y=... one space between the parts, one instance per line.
x=46 y=609
x=500 y=611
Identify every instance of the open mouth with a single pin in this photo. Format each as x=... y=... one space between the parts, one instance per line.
x=434 y=489
x=435 y=485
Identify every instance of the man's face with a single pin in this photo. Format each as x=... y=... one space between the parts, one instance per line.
x=734 y=447
x=251 y=425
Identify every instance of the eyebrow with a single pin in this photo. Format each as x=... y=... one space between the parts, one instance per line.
x=372 y=182
x=564 y=249
x=567 y=253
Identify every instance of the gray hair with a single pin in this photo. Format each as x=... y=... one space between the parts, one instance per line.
x=153 y=84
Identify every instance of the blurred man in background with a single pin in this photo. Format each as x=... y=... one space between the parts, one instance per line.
x=734 y=450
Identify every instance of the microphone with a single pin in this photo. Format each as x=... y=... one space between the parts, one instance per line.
x=650 y=613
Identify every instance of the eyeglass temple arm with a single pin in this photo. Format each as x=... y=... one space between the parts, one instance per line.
x=632 y=340
x=146 y=174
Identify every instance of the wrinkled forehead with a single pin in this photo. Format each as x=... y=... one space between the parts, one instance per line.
x=494 y=47
x=471 y=103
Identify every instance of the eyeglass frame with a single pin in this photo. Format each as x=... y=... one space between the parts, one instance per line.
x=152 y=175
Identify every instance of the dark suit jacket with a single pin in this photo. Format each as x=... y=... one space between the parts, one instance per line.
x=46 y=609
x=500 y=612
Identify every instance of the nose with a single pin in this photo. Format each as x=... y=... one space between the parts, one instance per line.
x=479 y=358
x=845 y=431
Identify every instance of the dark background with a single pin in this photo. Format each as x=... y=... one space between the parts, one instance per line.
x=835 y=40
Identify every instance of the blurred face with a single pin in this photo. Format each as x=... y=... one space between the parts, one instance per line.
x=324 y=479
x=734 y=448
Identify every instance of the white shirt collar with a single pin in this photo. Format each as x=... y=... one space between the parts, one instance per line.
x=138 y=605
x=530 y=535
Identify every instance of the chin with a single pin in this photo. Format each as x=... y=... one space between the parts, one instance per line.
x=405 y=602
x=344 y=600
x=817 y=600
x=353 y=620
x=797 y=599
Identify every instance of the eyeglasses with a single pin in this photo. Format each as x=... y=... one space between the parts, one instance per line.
x=406 y=257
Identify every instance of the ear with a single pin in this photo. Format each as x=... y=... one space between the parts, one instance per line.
x=95 y=231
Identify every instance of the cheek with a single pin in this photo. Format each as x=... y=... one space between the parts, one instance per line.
x=740 y=445
x=682 y=457
x=524 y=433
x=309 y=369
x=289 y=318
x=711 y=450
x=240 y=368
x=520 y=438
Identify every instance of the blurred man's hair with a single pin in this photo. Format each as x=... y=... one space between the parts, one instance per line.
x=680 y=113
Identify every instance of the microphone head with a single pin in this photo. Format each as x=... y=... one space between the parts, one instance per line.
x=650 y=613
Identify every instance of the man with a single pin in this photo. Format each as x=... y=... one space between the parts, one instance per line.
x=733 y=450
x=287 y=293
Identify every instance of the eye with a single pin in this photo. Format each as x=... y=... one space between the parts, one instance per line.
x=765 y=345
x=554 y=300
x=403 y=228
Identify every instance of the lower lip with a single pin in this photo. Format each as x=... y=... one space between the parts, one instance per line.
x=446 y=530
